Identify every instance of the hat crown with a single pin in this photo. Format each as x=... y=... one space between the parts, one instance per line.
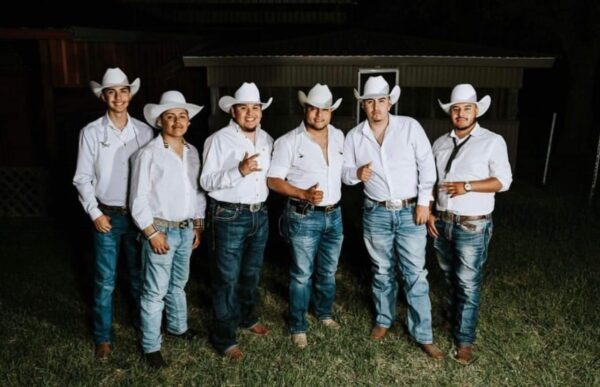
x=463 y=93
x=171 y=96
x=114 y=76
x=320 y=94
x=248 y=92
x=376 y=86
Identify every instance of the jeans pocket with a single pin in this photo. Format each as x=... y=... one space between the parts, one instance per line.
x=368 y=206
x=473 y=226
x=225 y=214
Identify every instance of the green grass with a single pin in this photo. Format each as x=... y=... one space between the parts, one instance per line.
x=539 y=316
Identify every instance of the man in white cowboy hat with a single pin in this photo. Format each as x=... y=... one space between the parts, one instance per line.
x=168 y=206
x=392 y=156
x=105 y=148
x=307 y=168
x=472 y=164
x=236 y=160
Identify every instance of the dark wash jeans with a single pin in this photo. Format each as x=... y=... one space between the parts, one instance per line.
x=238 y=238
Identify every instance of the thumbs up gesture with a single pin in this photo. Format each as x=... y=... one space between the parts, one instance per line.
x=364 y=173
x=313 y=195
x=249 y=164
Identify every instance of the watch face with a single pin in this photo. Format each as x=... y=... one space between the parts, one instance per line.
x=467 y=187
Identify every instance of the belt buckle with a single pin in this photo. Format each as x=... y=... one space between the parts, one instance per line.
x=254 y=207
x=329 y=209
x=394 y=204
x=183 y=224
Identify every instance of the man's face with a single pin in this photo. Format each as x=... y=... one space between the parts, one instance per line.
x=316 y=118
x=174 y=122
x=117 y=98
x=463 y=115
x=247 y=116
x=377 y=109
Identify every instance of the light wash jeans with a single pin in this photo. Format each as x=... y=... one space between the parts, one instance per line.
x=238 y=240
x=107 y=247
x=316 y=239
x=461 y=251
x=395 y=243
x=164 y=279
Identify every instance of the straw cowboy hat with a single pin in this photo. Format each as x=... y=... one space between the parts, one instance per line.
x=171 y=99
x=465 y=93
x=247 y=94
x=377 y=87
x=320 y=97
x=114 y=77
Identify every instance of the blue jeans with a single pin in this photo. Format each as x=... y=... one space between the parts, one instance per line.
x=164 y=279
x=238 y=240
x=395 y=243
x=316 y=239
x=106 y=250
x=461 y=251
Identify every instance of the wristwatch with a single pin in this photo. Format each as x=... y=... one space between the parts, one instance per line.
x=468 y=186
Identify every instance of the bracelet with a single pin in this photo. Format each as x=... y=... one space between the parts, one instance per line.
x=155 y=233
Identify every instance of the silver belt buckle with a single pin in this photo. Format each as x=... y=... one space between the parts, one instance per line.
x=254 y=207
x=394 y=204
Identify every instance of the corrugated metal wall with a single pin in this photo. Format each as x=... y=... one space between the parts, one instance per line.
x=336 y=76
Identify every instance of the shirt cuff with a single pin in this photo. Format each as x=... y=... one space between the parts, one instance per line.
x=95 y=214
x=351 y=176
x=235 y=175
x=424 y=199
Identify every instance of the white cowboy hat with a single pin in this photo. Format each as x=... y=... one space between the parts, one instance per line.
x=465 y=93
x=320 y=97
x=247 y=93
x=171 y=99
x=377 y=87
x=114 y=77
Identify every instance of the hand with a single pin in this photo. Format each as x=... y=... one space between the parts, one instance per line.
x=313 y=195
x=364 y=173
x=431 y=229
x=453 y=188
x=159 y=244
x=102 y=224
x=197 y=238
x=249 y=164
x=421 y=214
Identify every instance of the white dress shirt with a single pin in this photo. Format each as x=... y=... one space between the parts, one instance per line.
x=102 y=173
x=402 y=167
x=164 y=185
x=221 y=177
x=299 y=159
x=483 y=156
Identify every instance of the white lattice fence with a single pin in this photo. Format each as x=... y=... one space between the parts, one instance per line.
x=22 y=191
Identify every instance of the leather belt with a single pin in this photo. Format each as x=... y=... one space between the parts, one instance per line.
x=394 y=204
x=301 y=207
x=172 y=224
x=254 y=207
x=121 y=209
x=451 y=217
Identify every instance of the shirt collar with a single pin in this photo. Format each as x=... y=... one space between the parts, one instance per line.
x=106 y=122
x=475 y=132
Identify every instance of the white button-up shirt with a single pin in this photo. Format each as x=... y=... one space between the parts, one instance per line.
x=102 y=173
x=402 y=167
x=483 y=156
x=299 y=159
x=164 y=185
x=223 y=151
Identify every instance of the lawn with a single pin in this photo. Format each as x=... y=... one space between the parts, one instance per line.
x=539 y=318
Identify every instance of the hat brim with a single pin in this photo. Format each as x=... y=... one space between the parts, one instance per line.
x=482 y=106
x=97 y=88
x=394 y=95
x=303 y=99
x=226 y=102
x=152 y=111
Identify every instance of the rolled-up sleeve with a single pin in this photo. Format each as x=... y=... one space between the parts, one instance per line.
x=499 y=164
